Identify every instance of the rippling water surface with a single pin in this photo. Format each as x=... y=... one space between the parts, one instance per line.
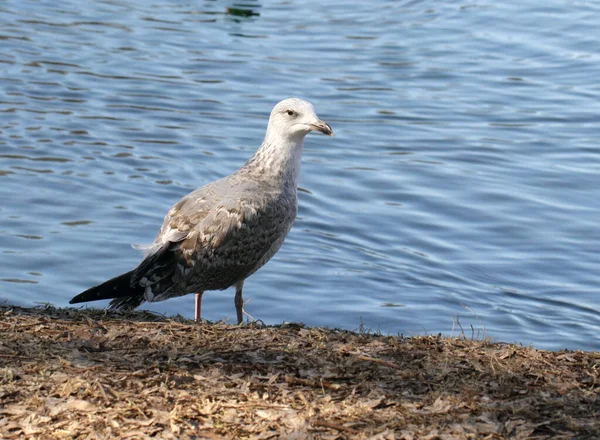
x=462 y=184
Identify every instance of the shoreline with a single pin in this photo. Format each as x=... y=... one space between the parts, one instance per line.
x=72 y=373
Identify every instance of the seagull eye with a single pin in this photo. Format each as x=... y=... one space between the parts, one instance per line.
x=291 y=113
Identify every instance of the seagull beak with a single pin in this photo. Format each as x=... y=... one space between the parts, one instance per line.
x=322 y=127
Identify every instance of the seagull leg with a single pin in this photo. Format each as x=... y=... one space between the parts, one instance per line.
x=239 y=302
x=198 y=306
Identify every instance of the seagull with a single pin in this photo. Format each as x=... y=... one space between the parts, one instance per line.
x=218 y=235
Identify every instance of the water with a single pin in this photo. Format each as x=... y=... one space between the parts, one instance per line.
x=462 y=182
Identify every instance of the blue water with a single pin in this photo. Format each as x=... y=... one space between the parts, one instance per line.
x=462 y=188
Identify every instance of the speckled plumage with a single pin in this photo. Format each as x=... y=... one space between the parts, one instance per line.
x=220 y=234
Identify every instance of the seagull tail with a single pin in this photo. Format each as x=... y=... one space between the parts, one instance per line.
x=127 y=303
x=116 y=287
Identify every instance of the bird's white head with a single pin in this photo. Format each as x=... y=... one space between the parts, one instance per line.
x=293 y=118
x=279 y=156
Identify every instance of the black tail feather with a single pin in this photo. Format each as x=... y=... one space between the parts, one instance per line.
x=116 y=287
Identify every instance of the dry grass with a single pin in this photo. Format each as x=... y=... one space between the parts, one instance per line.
x=67 y=373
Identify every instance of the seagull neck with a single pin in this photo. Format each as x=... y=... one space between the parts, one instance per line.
x=278 y=160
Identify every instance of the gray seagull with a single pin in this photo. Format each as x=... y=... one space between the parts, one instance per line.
x=218 y=235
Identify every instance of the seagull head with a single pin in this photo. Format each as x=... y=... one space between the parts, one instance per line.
x=294 y=118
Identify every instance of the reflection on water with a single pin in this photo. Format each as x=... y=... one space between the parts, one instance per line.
x=462 y=181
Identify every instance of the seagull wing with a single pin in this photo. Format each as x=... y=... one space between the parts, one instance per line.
x=162 y=258
x=209 y=242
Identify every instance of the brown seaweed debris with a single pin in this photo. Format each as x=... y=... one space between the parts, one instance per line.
x=67 y=373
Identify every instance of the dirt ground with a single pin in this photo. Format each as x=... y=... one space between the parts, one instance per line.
x=88 y=374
